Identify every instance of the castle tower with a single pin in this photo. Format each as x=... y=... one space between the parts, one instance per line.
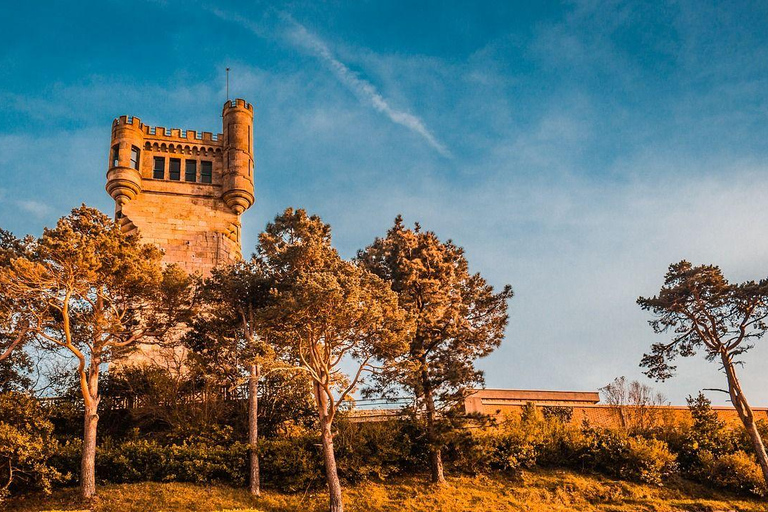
x=184 y=190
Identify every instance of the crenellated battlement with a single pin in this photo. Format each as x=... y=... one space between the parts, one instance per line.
x=185 y=190
x=169 y=134
x=238 y=103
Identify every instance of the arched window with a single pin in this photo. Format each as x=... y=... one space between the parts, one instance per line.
x=115 y=155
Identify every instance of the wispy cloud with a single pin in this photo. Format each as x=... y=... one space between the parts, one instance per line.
x=35 y=208
x=363 y=89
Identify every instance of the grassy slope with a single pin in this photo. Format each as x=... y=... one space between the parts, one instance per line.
x=555 y=491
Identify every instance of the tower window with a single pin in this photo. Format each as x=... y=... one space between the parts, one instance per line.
x=206 y=171
x=115 y=155
x=190 y=172
x=135 y=157
x=159 y=168
x=174 y=169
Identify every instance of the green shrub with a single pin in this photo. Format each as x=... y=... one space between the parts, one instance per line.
x=141 y=460
x=292 y=463
x=647 y=460
x=26 y=444
x=376 y=450
x=379 y=450
x=615 y=453
x=560 y=413
x=733 y=471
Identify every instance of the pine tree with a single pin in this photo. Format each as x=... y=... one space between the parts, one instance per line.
x=457 y=315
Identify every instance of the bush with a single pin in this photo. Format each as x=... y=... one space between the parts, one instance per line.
x=292 y=463
x=141 y=460
x=733 y=471
x=376 y=449
x=26 y=444
x=379 y=450
x=620 y=455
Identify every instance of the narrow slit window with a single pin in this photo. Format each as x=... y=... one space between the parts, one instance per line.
x=159 y=168
x=115 y=155
x=174 y=169
x=135 y=157
x=206 y=172
x=190 y=172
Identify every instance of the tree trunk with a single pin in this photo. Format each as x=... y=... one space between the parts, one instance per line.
x=745 y=414
x=331 y=472
x=329 y=457
x=435 y=452
x=88 y=461
x=253 y=429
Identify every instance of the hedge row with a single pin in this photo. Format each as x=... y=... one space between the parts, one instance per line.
x=378 y=450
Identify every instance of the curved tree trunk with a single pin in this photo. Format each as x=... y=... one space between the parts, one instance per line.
x=331 y=471
x=745 y=414
x=336 y=502
x=435 y=453
x=253 y=430
x=88 y=461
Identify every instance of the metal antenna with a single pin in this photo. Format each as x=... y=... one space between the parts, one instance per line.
x=227 y=84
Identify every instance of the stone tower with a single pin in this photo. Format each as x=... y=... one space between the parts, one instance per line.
x=184 y=190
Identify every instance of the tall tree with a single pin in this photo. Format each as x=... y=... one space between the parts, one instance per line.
x=93 y=292
x=228 y=339
x=458 y=318
x=326 y=311
x=703 y=311
x=15 y=328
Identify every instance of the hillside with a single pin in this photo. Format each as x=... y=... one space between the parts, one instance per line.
x=555 y=491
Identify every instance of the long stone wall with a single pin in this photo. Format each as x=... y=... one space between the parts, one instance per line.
x=608 y=416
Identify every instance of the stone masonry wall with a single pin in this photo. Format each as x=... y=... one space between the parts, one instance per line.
x=196 y=231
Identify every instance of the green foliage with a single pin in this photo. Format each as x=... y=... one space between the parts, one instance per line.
x=142 y=460
x=458 y=315
x=736 y=471
x=560 y=413
x=292 y=463
x=15 y=363
x=457 y=318
x=707 y=435
x=26 y=444
x=382 y=450
x=708 y=432
x=376 y=450
x=535 y=441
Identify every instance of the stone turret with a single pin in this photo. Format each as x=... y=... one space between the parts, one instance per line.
x=123 y=180
x=184 y=190
x=237 y=186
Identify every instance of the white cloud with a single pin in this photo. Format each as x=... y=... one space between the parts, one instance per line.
x=362 y=88
x=35 y=208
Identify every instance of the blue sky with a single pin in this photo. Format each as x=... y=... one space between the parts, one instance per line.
x=574 y=149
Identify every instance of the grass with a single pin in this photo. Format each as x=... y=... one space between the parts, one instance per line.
x=537 y=491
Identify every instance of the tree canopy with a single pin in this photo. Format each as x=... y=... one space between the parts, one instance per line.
x=326 y=311
x=457 y=316
x=703 y=311
x=87 y=288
